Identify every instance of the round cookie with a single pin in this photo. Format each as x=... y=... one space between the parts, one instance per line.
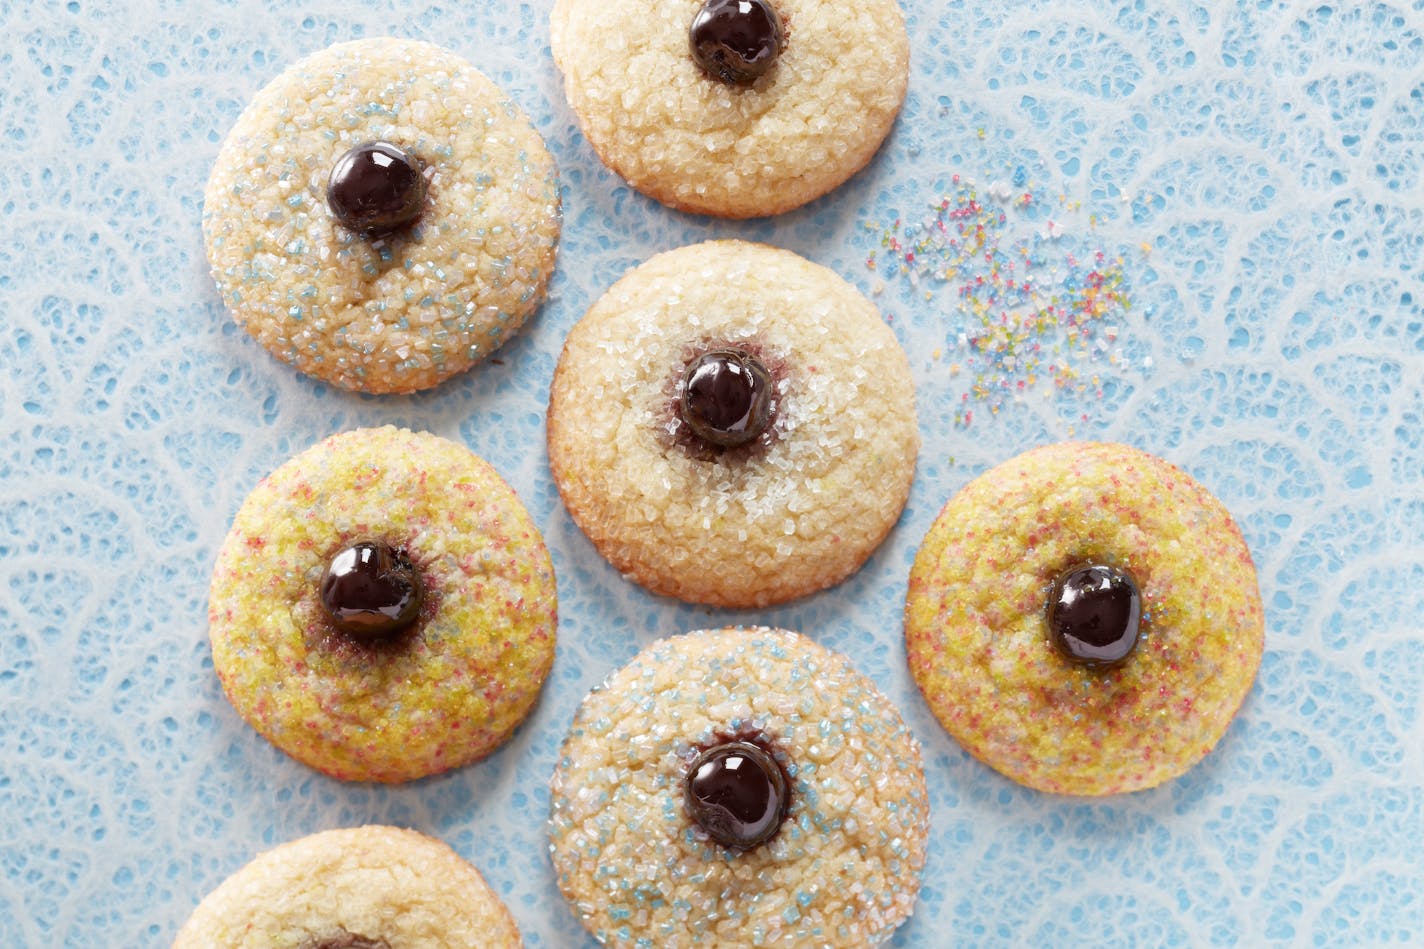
x=359 y=888
x=438 y=694
x=977 y=629
x=842 y=869
x=698 y=144
x=408 y=310
x=796 y=510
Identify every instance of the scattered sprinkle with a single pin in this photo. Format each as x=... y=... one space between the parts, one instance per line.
x=1032 y=311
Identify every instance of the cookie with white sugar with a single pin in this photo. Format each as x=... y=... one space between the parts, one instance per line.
x=383 y=607
x=1085 y=619
x=734 y=108
x=732 y=424
x=382 y=216
x=739 y=787
x=357 y=888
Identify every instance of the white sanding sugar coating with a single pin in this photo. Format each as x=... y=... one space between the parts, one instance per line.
x=354 y=888
x=801 y=509
x=844 y=869
x=409 y=311
x=700 y=145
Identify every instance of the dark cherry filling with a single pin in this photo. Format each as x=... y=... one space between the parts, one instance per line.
x=347 y=941
x=737 y=793
x=726 y=397
x=736 y=41
x=1094 y=614
x=371 y=591
x=376 y=188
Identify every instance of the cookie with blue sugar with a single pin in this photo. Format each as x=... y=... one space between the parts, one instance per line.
x=382 y=216
x=736 y=787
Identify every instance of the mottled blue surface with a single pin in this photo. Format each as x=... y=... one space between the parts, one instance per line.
x=1260 y=168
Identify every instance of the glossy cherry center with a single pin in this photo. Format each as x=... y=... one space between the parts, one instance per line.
x=737 y=793
x=376 y=188
x=370 y=590
x=1094 y=614
x=726 y=397
x=736 y=41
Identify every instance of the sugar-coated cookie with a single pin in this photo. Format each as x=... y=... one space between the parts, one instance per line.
x=383 y=607
x=731 y=424
x=385 y=270
x=739 y=787
x=357 y=888
x=735 y=108
x=1085 y=618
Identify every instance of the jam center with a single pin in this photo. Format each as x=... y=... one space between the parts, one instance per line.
x=1094 y=614
x=726 y=397
x=737 y=793
x=371 y=591
x=376 y=188
x=736 y=41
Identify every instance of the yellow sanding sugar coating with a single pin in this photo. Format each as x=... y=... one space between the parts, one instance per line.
x=356 y=888
x=410 y=310
x=700 y=145
x=445 y=692
x=977 y=634
x=843 y=870
x=799 y=510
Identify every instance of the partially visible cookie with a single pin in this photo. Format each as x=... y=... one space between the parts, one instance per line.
x=383 y=607
x=739 y=787
x=732 y=424
x=442 y=255
x=1085 y=619
x=799 y=123
x=359 y=888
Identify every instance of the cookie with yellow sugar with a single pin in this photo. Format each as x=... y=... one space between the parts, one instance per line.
x=1085 y=619
x=356 y=888
x=383 y=607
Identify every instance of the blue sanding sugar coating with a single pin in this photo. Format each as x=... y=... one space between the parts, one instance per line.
x=1255 y=174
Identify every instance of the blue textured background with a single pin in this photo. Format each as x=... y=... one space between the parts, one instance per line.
x=1261 y=170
